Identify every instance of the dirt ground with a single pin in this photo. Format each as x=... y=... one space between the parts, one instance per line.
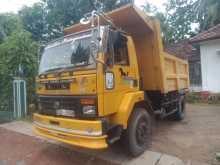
x=18 y=149
x=196 y=138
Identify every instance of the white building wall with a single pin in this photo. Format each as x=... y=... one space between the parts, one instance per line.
x=210 y=65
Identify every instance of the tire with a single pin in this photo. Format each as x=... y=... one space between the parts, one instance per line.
x=181 y=106
x=138 y=134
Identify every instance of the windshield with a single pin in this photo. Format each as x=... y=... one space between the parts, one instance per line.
x=73 y=53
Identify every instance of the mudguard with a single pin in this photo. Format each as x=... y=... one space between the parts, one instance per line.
x=125 y=109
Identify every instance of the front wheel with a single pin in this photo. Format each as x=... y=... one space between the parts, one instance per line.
x=138 y=133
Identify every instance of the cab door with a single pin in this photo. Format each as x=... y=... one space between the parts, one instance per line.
x=119 y=77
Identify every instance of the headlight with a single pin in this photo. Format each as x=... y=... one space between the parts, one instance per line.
x=89 y=110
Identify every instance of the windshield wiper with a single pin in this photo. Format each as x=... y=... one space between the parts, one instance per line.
x=61 y=69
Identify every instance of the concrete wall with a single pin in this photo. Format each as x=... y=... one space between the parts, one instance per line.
x=210 y=65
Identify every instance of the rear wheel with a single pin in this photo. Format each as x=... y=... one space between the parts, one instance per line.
x=180 y=113
x=138 y=133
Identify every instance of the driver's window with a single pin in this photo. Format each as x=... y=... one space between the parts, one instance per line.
x=121 y=52
x=116 y=50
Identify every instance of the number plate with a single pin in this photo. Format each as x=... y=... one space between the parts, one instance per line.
x=65 y=112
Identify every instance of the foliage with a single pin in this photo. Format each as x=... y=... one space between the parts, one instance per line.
x=180 y=16
x=34 y=21
x=207 y=13
x=192 y=97
x=112 y=4
x=18 y=48
x=165 y=27
x=47 y=19
x=203 y=97
x=63 y=13
x=176 y=21
x=8 y=23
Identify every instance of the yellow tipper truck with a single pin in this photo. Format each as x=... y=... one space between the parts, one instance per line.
x=106 y=79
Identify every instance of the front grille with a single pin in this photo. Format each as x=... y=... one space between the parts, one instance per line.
x=57 y=86
x=50 y=104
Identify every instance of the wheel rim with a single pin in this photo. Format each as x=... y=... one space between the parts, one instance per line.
x=142 y=132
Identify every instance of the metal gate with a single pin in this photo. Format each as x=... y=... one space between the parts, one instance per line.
x=20 y=103
x=6 y=103
x=13 y=104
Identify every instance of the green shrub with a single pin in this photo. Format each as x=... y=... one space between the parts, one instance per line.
x=203 y=97
x=192 y=97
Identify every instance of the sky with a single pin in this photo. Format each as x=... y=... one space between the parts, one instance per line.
x=15 y=5
x=157 y=3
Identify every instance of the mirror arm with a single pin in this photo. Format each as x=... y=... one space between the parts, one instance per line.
x=101 y=62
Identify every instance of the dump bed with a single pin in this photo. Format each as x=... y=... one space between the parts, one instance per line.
x=159 y=71
x=175 y=73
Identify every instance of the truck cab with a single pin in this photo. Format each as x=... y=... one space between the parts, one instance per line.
x=98 y=83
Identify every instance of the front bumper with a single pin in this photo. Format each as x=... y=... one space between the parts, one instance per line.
x=83 y=133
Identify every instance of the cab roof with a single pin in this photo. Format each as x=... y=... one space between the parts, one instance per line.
x=129 y=18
